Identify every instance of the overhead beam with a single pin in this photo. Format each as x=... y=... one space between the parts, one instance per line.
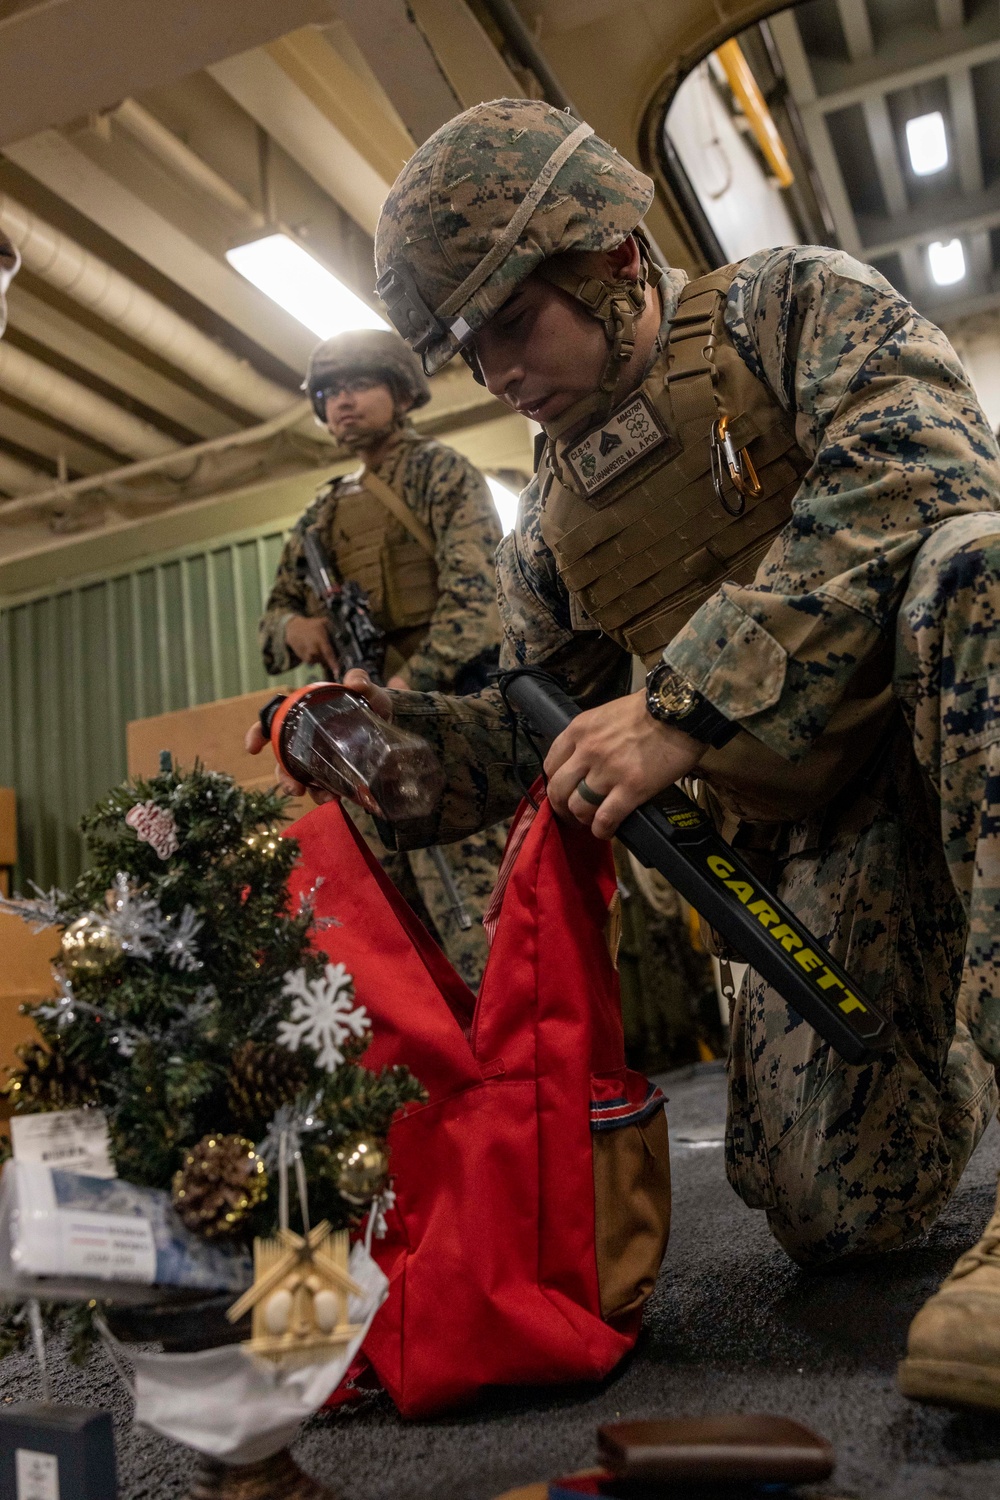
x=950 y=216
x=32 y=316
x=799 y=76
x=980 y=261
x=471 y=63
x=318 y=110
x=912 y=58
x=17 y=478
x=64 y=169
x=31 y=433
x=915 y=272
x=62 y=61
x=950 y=14
x=965 y=130
x=402 y=60
x=48 y=390
x=857 y=28
x=975 y=306
x=883 y=143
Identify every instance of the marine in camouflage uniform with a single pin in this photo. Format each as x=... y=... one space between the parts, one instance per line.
x=439 y=611
x=857 y=652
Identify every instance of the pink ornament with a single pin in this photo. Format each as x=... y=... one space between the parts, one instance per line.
x=156 y=826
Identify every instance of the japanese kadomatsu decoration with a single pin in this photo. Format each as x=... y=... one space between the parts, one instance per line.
x=223 y=1053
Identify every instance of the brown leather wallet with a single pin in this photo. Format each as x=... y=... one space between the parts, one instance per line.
x=760 y=1449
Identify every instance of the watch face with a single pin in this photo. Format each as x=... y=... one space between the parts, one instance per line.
x=673 y=696
x=677 y=697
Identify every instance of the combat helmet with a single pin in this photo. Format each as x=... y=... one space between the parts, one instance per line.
x=377 y=353
x=505 y=189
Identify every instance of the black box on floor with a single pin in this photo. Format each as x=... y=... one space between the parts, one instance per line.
x=50 y=1452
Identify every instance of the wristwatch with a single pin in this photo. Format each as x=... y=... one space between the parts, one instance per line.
x=672 y=700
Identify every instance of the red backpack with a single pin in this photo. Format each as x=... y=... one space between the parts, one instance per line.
x=533 y=1189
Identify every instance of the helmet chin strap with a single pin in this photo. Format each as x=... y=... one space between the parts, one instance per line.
x=617 y=306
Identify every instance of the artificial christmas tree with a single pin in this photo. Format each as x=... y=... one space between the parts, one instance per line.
x=193 y=1013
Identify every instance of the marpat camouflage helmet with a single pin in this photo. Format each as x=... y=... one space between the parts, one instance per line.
x=489 y=197
x=374 y=353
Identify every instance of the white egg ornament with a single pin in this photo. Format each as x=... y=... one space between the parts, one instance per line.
x=326 y=1310
x=278 y=1311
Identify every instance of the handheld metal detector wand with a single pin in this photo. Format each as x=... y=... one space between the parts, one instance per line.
x=679 y=840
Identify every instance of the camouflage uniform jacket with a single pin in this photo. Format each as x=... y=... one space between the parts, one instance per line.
x=899 y=445
x=452 y=499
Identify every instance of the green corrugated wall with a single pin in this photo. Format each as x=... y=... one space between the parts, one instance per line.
x=79 y=661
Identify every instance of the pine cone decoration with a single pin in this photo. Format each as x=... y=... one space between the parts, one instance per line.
x=262 y=1077
x=47 y=1081
x=220 y=1184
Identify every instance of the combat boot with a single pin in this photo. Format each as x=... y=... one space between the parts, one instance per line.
x=953 y=1350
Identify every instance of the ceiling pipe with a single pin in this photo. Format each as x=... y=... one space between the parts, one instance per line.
x=49 y=391
x=63 y=495
x=18 y=478
x=173 y=153
x=55 y=258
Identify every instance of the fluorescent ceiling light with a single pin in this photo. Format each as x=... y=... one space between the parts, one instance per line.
x=506 y=503
x=290 y=276
x=947 y=262
x=927 y=142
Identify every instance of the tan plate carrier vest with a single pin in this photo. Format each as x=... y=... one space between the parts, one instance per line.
x=648 y=549
x=371 y=546
x=645 y=551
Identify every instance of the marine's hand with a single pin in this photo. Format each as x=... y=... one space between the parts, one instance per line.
x=379 y=699
x=310 y=640
x=624 y=754
x=255 y=740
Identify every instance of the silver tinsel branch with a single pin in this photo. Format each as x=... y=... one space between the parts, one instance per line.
x=67 y=1007
x=307 y=903
x=39 y=911
x=291 y=1121
x=144 y=931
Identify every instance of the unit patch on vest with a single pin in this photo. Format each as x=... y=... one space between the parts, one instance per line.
x=615 y=446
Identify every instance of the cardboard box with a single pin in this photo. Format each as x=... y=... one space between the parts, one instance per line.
x=25 y=976
x=8 y=826
x=212 y=733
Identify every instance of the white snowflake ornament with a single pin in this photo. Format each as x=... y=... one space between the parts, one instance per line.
x=323 y=1014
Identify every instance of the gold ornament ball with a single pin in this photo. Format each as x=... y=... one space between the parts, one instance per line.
x=89 y=946
x=362 y=1168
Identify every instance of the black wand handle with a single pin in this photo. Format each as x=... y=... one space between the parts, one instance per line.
x=680 y=841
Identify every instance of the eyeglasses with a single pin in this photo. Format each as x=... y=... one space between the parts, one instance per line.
x=347 y=387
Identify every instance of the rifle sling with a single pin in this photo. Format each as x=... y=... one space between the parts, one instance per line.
x=397 y=507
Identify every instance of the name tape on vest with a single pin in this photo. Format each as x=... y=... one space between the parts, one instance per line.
x=616 y=445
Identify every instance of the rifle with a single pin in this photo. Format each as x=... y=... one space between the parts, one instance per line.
x=354 y=635
x=674 y=836
x=359 y=642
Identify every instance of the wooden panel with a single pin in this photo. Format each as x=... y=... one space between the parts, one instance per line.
x=25 y=976
x=212 y=733
x=8 y=826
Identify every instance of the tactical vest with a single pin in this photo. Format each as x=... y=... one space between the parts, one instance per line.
x=641 y=538
x=630 y=512
x=373 y=548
